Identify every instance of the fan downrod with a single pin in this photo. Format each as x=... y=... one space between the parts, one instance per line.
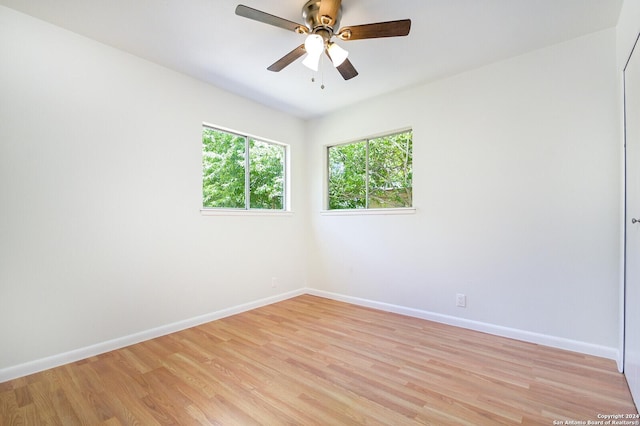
x=322 y=25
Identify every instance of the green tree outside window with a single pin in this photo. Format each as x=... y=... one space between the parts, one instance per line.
x=375 y=173
x=231 y=178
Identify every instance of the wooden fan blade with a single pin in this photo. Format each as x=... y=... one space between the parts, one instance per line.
x=378 y=30
x=346 y=70
x=330 y=8
x=287 y=59
x=257 y=15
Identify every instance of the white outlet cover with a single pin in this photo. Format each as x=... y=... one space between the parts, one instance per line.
x=461 y=300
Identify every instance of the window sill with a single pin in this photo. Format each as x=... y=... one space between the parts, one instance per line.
x=368 y=212
x=242 y=212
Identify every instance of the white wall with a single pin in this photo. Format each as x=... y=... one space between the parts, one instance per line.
x=627 y=30
x=100 y=190
x=516 y=186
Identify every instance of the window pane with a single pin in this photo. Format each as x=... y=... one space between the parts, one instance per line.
x=266 y=175
x=223 y=169
x=390 y=171
x=347 y=176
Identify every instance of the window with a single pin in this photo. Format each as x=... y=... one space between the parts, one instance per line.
x=239 y=172
x=371 y=174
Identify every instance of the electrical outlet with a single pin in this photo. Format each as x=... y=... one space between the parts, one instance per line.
x=274 y=282
x=461 y=300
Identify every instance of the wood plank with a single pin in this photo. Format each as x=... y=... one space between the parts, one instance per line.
x=310 y=360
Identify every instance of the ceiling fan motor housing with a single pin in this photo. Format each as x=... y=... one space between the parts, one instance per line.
x=321 y=25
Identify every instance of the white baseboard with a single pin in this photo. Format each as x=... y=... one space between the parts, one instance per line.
x=38 y=365
x=512 y=333
x=32 y=367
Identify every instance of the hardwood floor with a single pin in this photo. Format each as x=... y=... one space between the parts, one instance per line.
x=310 y=360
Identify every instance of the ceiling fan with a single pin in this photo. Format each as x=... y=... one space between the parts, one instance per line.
x=322 y=19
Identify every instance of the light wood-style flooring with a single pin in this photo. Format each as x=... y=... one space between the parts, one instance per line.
x=314 y=361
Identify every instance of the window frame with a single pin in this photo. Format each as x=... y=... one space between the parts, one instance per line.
x=247 y=210
x=327 y=211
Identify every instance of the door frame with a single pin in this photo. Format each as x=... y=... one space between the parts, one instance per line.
x=624 y=206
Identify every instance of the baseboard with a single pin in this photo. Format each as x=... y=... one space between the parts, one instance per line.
x=32 y=367
x=36 y=366
x=512 y=333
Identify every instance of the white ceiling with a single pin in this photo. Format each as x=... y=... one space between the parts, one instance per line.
x=205 y=39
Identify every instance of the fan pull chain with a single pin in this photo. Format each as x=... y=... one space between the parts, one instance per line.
x=322 y=72
x=313 y=76
x=313 y=80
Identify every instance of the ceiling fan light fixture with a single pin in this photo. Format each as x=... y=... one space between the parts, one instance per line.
x=312 y=62
x=314 y=45
x=321 y=20
x=337 y=54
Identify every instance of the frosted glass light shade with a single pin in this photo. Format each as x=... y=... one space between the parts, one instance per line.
x=337 y=54
x=314 y=45
x=312 y=61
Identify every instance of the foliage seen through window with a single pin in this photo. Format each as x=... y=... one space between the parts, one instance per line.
x=371 y=174
x=239 y=172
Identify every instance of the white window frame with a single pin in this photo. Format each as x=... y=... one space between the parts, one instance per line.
x=247 y=210
x=326 y=211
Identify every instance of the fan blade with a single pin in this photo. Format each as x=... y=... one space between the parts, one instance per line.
x=257 y=15
x=287 y=59
x=330 y=8
x=377 y=30
x=346 y=70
